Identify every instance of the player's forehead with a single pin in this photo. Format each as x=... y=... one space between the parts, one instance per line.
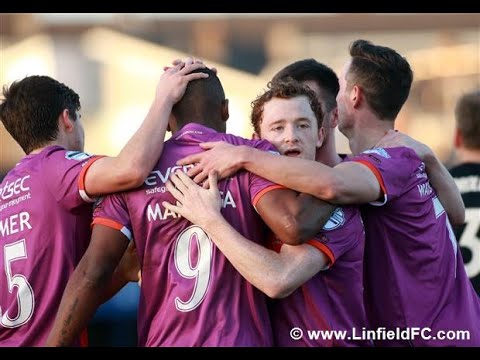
x=287 y=110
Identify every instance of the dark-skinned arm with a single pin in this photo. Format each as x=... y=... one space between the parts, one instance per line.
x=86 y=287
x=137 y=158
x=127 y=270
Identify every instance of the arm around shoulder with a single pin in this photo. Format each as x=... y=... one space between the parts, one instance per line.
x=353 y=183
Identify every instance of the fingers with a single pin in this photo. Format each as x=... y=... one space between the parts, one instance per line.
x=186 y=181
x=206 y=184
x=174 y=68
x=179 y=184
x=194 y=171
x=174 y=191
x=200 y=177
x=188 y=60
x=187 y=69
x=195 y=76
x=213 y=180
x=209 y=145
x=190 y=159
x=186 y=66
x=176 y=209
x=196 y=158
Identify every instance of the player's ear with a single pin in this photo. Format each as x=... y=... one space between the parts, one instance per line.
x=225 y=113
x=334 y=118
x=321 y=137
x=65 y=122
x=356 y=96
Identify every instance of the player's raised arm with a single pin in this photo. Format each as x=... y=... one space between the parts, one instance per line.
x=137 y=158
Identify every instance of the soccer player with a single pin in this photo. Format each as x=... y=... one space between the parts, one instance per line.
x=324 y=82
x=414 y=273
x=321 y=281
x=46 y=199
x=467 y=177
x=190 y=295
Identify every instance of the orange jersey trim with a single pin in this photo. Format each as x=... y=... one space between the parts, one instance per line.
x=81 y=178
x=264 y=191
x=324 y=249
x=375 y=172
x=108 y=223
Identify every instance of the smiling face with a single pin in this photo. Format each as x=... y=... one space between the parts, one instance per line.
x=290 y=124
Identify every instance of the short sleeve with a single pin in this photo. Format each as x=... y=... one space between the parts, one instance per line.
x=343 y=231
x=64 y=171
x=112 y=211
x=258 y=185
x=392 y=167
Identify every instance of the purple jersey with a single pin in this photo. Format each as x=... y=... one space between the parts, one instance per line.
x=414 y=273
x=44 y=231
x=191 y=295
x=331 y=301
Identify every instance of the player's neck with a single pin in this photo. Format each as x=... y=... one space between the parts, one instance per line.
x=52 y=143
x=367 y=133
x=327 y=154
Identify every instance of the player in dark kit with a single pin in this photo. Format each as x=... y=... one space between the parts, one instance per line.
x=467 y=177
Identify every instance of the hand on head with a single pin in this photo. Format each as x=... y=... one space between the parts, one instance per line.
x=174 y=80
x=187 y=61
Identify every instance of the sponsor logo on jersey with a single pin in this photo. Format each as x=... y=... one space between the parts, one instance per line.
x=420 y=172
x=424 y=189
x=157 y=177
x=379 y=151
x=14 y=188
x=336 y=220
x=76 y=155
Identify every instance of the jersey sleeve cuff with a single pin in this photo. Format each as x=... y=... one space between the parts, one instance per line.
x=81 y=180
x=114 y=225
